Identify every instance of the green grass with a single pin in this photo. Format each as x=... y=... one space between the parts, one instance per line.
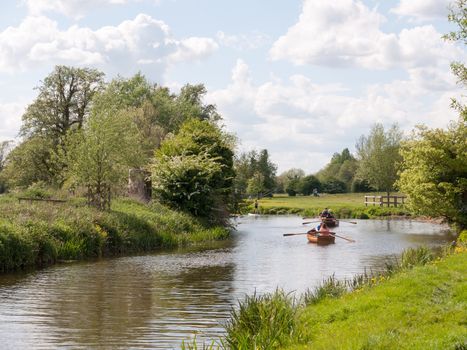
x=421 y=308
x=347 y=205
x=41 y=233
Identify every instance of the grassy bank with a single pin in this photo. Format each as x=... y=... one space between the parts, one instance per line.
x=418 y=303
x=347 y=205
x=41 y=233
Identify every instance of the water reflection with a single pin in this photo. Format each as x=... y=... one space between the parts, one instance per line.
x=155 y=301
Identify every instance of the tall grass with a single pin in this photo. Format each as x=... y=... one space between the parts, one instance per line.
x=263 y=322
x=41 y=233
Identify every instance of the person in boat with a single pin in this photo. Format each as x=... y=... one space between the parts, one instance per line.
x=325 y=213
x=324 y=230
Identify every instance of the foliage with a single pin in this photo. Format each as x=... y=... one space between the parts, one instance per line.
x=62 y=106
x=256 y=169
x=434 y=172
x=289 y=181
x=308 y=183
x=100 y=154
x=34 y=160
x=193 y=170
x=266 y=321
x=256 y=185
x=4 y=149
x=340 y=170
x=333 y=185
x=378 y=155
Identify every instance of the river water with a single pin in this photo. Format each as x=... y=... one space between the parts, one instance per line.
x=156 y=301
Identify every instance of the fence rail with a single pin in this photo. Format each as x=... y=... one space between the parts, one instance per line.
x=30 y=200
x=384 y=200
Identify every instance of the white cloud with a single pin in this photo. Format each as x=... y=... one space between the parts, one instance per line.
x=115 y=49
x=421 y=10
x=193 y=48
x=301 y=122
x=347 y=33
x=10 y=120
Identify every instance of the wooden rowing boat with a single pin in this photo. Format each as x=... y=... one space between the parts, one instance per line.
x=320 y=239
x=330 y=222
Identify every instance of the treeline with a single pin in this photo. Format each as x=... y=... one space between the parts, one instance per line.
x=374 y=167
x=83 y=134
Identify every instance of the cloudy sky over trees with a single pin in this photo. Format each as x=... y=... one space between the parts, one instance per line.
x=303 y=79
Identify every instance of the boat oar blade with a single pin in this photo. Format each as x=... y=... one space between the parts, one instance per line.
x=347 y=239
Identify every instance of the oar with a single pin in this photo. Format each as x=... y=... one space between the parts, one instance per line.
x=349 y=222
x=305 y=218
x=294 y=234
x=347 y=239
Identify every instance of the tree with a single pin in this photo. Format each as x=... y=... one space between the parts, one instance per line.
x=342 y=167
x=4 y=148
x=458 y=16
x=290 y=180
x=100 y=155
x=247 y=165
x=434 y=172
x=256 y=185
x=62 y=106
x=378 y=155
x=308 y=183
x=63 y=102
x=193 y=170
x=268 y=170
x=34 y=160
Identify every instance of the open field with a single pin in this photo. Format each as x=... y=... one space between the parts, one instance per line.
x=343 y=205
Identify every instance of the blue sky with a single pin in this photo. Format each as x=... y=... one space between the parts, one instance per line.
x=303 y=79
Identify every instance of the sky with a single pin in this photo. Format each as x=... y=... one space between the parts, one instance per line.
x=303 y=79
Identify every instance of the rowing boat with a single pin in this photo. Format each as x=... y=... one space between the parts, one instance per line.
x=320 y=239
x=330 y=222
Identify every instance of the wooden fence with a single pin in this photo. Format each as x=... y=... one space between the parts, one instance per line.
x=384 y=200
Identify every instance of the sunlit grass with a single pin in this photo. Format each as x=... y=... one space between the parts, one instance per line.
x=346 y=205
x=40 y=233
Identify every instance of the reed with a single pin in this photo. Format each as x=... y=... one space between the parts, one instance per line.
x=266 y=321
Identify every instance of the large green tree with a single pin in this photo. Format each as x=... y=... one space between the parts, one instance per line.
x=193 y=170
x=434 y=172
x=63 y=102
x=62 y=106
x=378 y=156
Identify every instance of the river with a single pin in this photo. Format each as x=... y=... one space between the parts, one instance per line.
x=155 y=301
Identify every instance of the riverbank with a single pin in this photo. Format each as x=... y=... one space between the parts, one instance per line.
x=346 y=205
x=422 y=308
x=43 y=233
x=419 y=302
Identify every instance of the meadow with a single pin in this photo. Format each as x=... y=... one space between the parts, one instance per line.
x=345 y=205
